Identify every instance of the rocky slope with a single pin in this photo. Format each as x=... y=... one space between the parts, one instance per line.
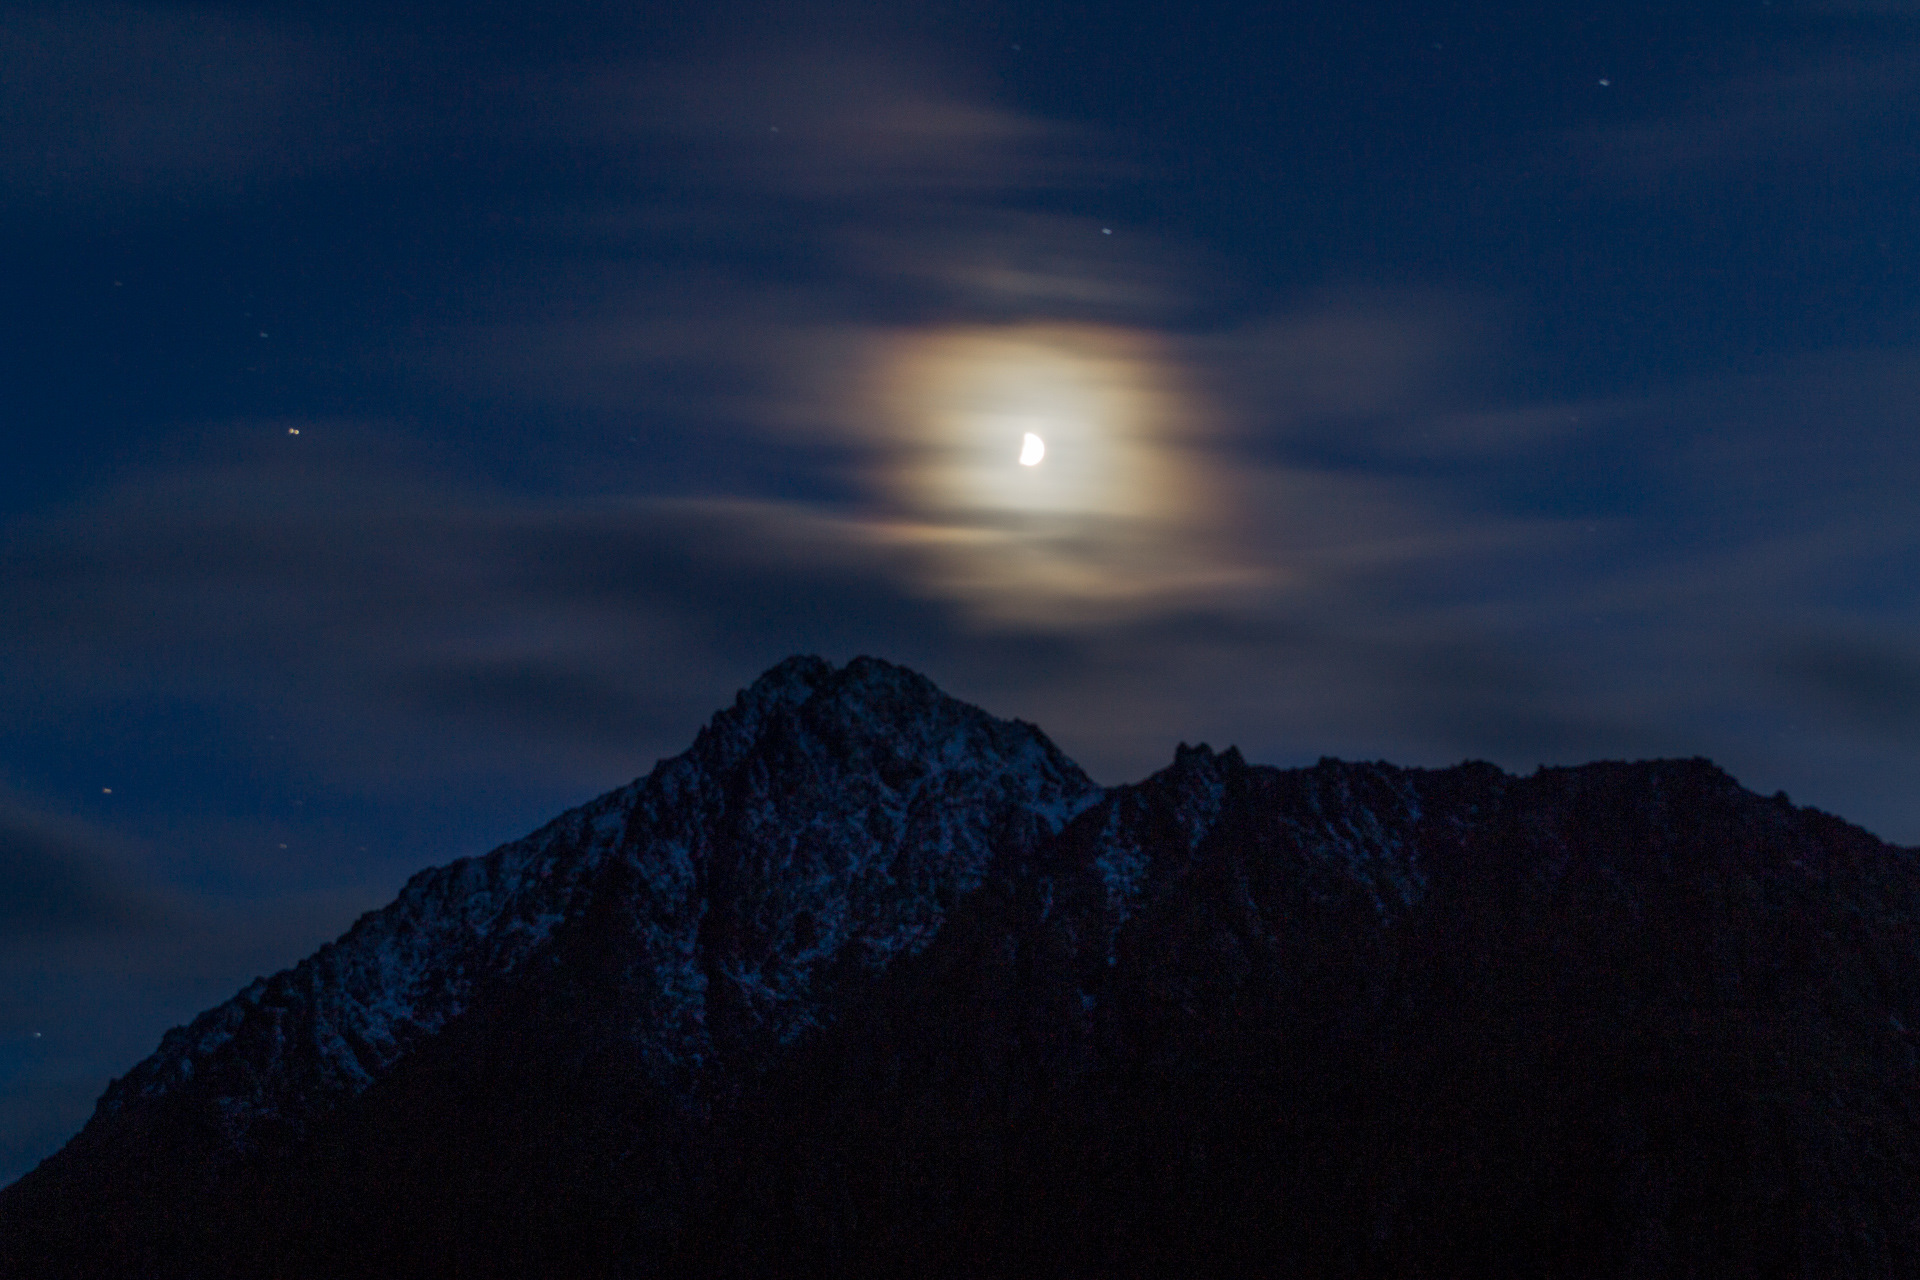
x=822 y=826
x=870 y=983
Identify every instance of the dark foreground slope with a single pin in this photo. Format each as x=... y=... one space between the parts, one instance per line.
x=1621 y=1020
x=837 y=993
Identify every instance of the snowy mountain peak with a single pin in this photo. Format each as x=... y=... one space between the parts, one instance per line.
x=830 y=815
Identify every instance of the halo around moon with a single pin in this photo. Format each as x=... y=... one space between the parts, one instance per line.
x=1126 y=507
x=1100 y=404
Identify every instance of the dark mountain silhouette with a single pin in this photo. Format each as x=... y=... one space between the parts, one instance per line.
x=870 y=983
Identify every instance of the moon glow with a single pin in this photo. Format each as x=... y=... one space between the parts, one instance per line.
x=1124 y=509
x=1101 y=406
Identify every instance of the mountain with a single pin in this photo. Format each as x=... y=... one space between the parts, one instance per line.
x=869 y=982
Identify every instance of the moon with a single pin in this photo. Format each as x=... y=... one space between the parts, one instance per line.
x=1032 y=449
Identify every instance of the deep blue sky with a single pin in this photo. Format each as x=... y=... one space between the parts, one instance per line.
x=415 y=425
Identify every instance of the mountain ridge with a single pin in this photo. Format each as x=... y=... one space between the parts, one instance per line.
x=765 y=1004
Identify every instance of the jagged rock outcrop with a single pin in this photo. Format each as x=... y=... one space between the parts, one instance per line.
x=869 y=983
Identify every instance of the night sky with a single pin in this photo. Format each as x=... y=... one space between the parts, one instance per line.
x=416 y=425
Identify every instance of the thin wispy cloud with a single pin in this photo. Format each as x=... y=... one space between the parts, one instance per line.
x=832 y=125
